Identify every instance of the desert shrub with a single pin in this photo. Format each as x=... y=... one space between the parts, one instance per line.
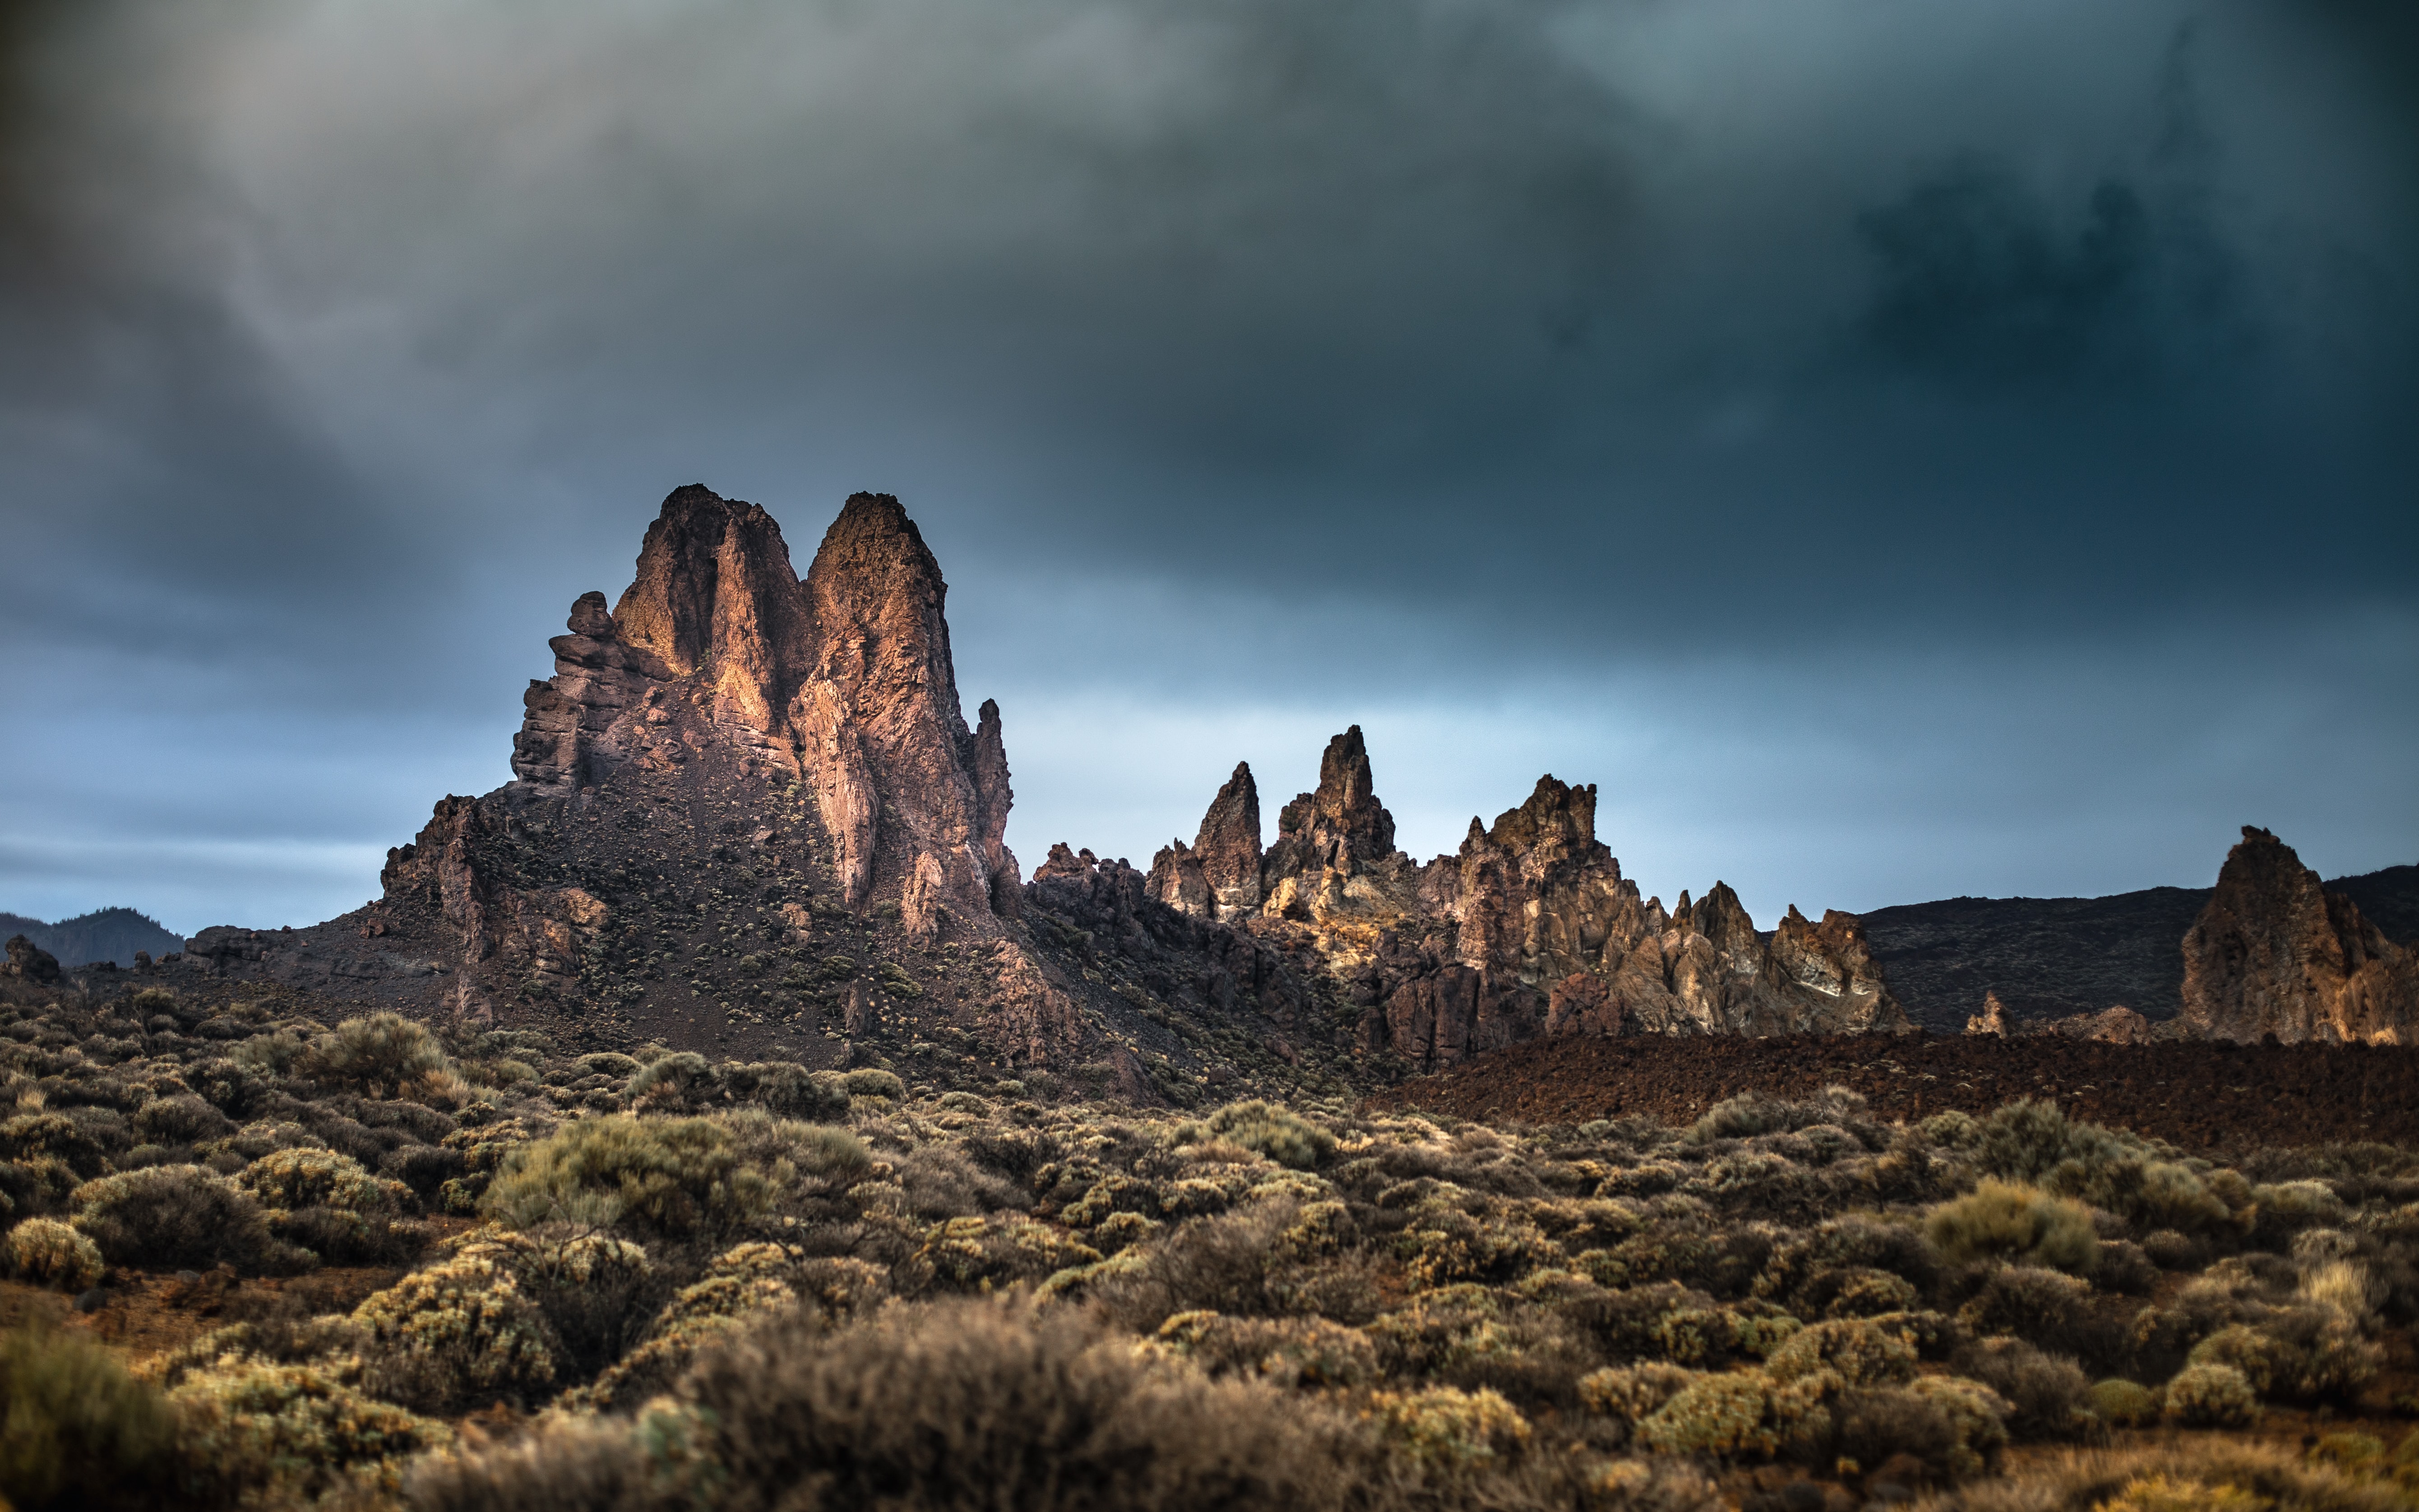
x=31 y=1136
x=171 y=1216
x=1741 y=1413
x=2023 y=1225
x=2126 y=1270
x=1856 y=1350
x=606 y=1063
x=1751 y=1114
x=980 y=1254
x=787 y=1090
x=181 y=1120
x=76 y=1431
x=1280 y=1133
x=1444 y=1245
x=1857 y=1292
x=1234 y=1263
x=1291 y=1352
x=2205 y=1475
x=2300 y=1354
x=870 y=1081
x=2024 y=1141
x=256 y=1431
x=377 y=1056
x=459 y=1333
x=2042 y=1308
x=657 y=1177
x=1446 y=1430
x=2047 y=1394
x=2126 y=1404
x=2170 y=1250
x=48 y=1253
x=1633 y=1392
x=304 y=1177
x=2211 y=1396
x=2287 y=1207
x=1950 y=1426
x=969 y=1404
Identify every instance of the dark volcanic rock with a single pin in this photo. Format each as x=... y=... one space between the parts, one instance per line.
x=2275 y=953
x=2045 y=958
x=30 y=962
x=2052 y=958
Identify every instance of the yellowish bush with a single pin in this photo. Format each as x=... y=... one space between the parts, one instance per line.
x=2016 y=1223
x=48 y=1253
x=1742 y=1412
x=1447 y=1429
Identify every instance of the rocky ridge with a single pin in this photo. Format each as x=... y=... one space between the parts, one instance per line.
x=1529 y=929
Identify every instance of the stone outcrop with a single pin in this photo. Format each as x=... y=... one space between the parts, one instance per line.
x=29 y=962
x=1992 y=1021
x=1530 y=928
x=2275 y=953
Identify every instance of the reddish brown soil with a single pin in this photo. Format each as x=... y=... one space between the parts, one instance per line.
x=2202 y=1097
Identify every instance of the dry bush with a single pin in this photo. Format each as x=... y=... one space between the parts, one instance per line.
x=76 y=1432
x=2018 y=1224
x=48 y=1253
x=172 y=1217
x=2205 y=1475
x=677 y=1178
x=960 y=1405
x=377 y=1056
x=1264 y=1128
x=2048 y=1395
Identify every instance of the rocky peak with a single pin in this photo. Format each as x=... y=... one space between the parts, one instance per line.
x=2274 y=952
x=1992 y=1021
x=1341 y=825
x=1229 y=844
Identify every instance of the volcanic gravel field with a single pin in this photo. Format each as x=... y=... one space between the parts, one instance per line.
x=2197 y=1096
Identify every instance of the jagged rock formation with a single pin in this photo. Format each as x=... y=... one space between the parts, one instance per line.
x=2275 y=953
x=1992 y=1021
x=1530 y=930
x=747 y=816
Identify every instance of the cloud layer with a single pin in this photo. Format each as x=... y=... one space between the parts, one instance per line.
x=1895 y=448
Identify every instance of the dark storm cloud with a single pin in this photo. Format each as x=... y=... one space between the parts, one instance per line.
x=1482 y=365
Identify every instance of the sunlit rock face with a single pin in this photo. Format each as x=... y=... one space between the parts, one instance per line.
x=1530 y=928
x=2273 y=953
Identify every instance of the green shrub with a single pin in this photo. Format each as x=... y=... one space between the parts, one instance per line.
x=2126 y=1404
x=2047 y=1395
x=76 y=1431
x=872 y=1082
x=655 y=1178
x=48 y=1253
x=459 y=1333
x=2211 y=1396
x=1742 y=1412
x=983 y=1254
x=1446 y=1430
x=2043 y=1307
x=377 y=1056
x=789 y=1090
x=1858 y=1350
x=177 y=1216
x=1280 y=1133
x=181 y=1120
x=1634 y=1392
x=308 y=1178
x=2023 y=1225
x=258 y=1432
x=1290 y=1351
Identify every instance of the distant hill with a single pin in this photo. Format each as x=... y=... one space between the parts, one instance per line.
x=2050 y=957
x=104 y=934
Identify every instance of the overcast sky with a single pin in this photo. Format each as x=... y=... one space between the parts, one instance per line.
x=1895 y=448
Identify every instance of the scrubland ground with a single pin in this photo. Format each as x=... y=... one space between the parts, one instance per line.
x=262 y=1261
